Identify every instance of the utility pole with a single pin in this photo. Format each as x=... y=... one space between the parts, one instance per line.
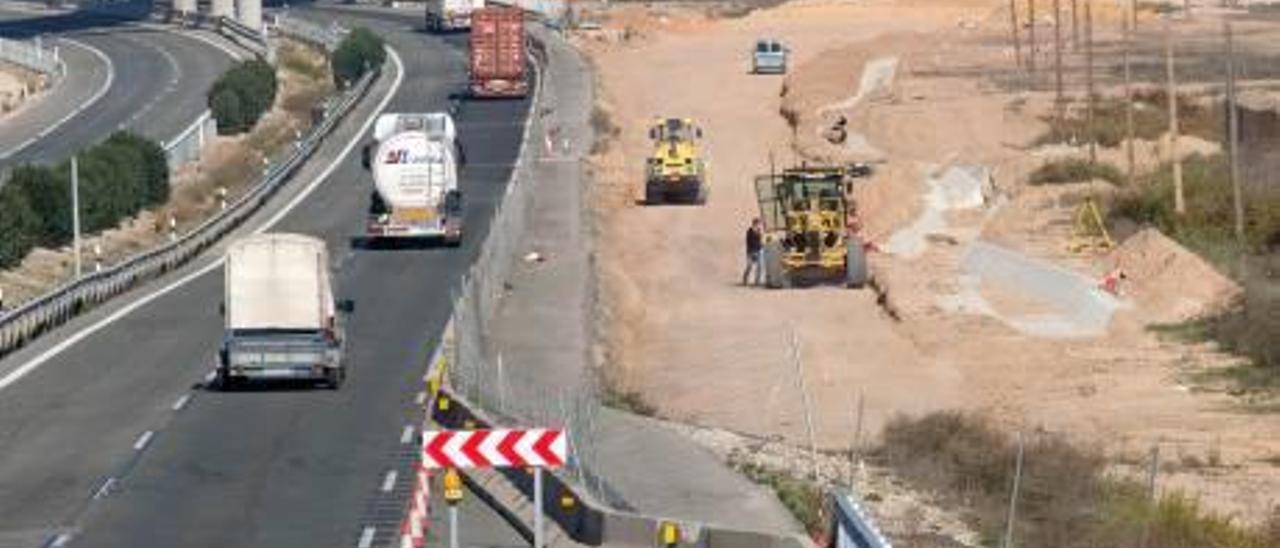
x=1058 y=105
x=75 y=212
x=1128 y=102
x=1179 y=199
x=1031 y=37
x=1017 y=482
x=1233 y=128
x=1088 y=56
x=1151 y=493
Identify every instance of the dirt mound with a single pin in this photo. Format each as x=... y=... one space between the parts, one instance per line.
x=1170 y=283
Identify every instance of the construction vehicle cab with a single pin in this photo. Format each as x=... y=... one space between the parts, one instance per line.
x=675 y=172
x=807 y=212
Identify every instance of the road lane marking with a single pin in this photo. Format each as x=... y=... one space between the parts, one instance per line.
x=105 y=489
x=407 y=435
x=143 y=440
x=182 y=402
x=111 y=77
x=421 y=399
x=366 y=537
x=389 y=482
x=31 y=365
x=61 y=540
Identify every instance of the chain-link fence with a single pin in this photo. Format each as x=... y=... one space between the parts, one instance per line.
x=26 y=322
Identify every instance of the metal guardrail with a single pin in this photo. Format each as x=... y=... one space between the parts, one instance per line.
x=32 y=318
x=327 y=37
x=32 y=55
x=852 y=528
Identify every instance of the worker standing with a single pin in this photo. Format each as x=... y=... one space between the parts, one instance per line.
x=755 y=247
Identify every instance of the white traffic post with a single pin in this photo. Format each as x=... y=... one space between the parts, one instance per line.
x=75 y=212
x=537 y=507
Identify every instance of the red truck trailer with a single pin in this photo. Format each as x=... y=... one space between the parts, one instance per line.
x=498 y=53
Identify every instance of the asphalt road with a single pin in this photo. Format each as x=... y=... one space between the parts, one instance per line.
x=158 y=83
x=271 y=467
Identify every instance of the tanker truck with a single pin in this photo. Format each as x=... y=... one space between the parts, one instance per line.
x=282 y=321
x=414 y=162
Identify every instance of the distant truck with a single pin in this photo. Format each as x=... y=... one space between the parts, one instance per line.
x=281 y=318
x=449 y=15
x=498 y=53
x=769 y=57
x=414 y=162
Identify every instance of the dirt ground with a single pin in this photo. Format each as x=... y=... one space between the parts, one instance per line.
x=17 y=86
x=232 y=162
x=683 y=334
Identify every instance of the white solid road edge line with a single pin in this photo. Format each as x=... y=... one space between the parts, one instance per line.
x=111 y=78
x=366 y=537
x=42 y=358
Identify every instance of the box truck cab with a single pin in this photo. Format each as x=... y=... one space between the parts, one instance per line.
x=282 y=321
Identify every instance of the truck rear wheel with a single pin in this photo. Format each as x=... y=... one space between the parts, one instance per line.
x=333 y=378
x=855 y=264
x=775 y=273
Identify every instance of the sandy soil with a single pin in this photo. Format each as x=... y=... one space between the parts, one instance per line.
x=681 y=332
x=232 y=162
x=17 y=86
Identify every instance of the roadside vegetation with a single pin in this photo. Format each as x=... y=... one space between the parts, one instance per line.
x=240 y=97
x=1208 y=228
x=1075 y=170
x=360 y=52
x=1066 y=498
x=1150 y=120
x=118 y=178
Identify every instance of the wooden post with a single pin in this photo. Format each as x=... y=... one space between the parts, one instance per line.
x=1075 y=28
x=1088 y=55
x=1128 y=103
x=1179 y=200
x=1233 y=130
x=1031 y=38
x=1017 y=44
x=1058 y=104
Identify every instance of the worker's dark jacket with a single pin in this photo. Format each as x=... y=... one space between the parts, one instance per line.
x=754 y=244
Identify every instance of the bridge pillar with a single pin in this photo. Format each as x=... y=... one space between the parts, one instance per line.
x=222 y=8
x=250 y=13
x=184 y=6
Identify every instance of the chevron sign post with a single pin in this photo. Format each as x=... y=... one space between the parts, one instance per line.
x=535 y=448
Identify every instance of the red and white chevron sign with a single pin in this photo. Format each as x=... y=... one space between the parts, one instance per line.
x=543 y=448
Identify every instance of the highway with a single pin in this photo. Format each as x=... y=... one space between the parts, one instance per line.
x=114 y=442
x=157 y=83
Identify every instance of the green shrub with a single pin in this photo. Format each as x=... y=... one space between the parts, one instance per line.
x=1075 y=170
x=118 y=177
x=240 y=97
x=359 y=52
x=19 y=226
x=1065 y=499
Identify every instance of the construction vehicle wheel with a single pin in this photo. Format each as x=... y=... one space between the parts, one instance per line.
x=855 y=264
x=700 y=195
x=653 y=194
x=775 y=274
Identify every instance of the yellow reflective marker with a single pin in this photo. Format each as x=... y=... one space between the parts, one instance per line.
x=670 y=534
x=452 y=486
x=443 y=403
x=567 y=501
x=433 y=385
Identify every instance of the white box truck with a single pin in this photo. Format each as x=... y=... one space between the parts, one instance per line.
x=414 y=161
x=282 y=321
x=449 y=15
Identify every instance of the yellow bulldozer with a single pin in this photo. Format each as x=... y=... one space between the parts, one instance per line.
x=809 y=216
x=675 y=172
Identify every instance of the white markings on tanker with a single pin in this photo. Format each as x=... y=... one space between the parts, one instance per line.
x=407 y=435
x=389 y=481
x=366 y=537
x=26 y=368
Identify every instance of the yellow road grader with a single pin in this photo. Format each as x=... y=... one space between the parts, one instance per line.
x=810 y=222
x=675 y=172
